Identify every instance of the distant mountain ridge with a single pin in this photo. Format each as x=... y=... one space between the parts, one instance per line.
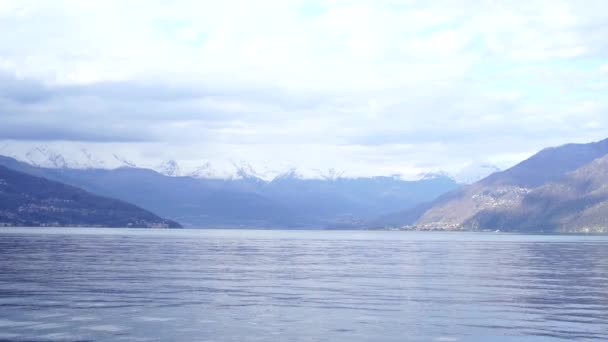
x=80 y=157
x=288 y=201
x=577 y=202
x=549 y=164
x=26 y=200
x=559 y=189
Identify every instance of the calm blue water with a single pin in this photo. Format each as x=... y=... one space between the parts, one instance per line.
x=189 y=285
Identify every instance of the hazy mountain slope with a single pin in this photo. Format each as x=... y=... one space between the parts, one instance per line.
x=351 y=200
x=548 y=165
x=27 y=200
x=400 y=218
x=577 y=202
x=499 y=191
x=288 y=201
x=190 y=201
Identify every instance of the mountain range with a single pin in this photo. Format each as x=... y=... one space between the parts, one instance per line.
x=287 y=201
x=74 y=156
x=27 y=200
x=560 y=189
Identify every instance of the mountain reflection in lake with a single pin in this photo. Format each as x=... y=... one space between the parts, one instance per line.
x=239 y=285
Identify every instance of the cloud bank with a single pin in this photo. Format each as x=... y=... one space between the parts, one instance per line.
x=372 y=87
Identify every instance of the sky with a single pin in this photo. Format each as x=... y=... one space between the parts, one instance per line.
x=367 y=87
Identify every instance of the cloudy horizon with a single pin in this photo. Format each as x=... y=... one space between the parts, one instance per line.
x=367 y=87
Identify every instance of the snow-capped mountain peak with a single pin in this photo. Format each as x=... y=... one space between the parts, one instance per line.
x=169 y=168
x=124 y=161
x=45 y=157
x=204 y=171
x=91 y=162
x=231 y=170
x=244 y=170
x=330 y=174
x=291 y=174
x=434 y=175
x=91 y=156
x=475 y=172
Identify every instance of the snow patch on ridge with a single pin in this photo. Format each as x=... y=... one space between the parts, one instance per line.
x=77 y=157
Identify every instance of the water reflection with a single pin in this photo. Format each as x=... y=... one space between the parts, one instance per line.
x=108 y=285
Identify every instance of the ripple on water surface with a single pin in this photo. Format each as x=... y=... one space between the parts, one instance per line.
x=155 y=285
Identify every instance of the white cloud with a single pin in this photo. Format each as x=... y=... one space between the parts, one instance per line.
x=371 y=86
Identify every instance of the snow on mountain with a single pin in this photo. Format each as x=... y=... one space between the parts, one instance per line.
x=291 y=174
x=434 y=175
x=245 y=170
x=92 y=162
x=124 y=161
x=204 y=171
x=44 y=157
x=169 y=168
x=467 y=175
x=475 y=172
x=75 y=158
x=236 y=170
x=210 y=170
x=78 y=157
x=330 y=174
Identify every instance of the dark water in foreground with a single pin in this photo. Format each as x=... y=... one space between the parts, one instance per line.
x=152 y=285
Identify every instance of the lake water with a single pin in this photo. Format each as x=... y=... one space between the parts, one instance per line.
x=247 y=285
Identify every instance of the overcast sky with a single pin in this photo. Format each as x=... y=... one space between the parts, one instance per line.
x=372 y=87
